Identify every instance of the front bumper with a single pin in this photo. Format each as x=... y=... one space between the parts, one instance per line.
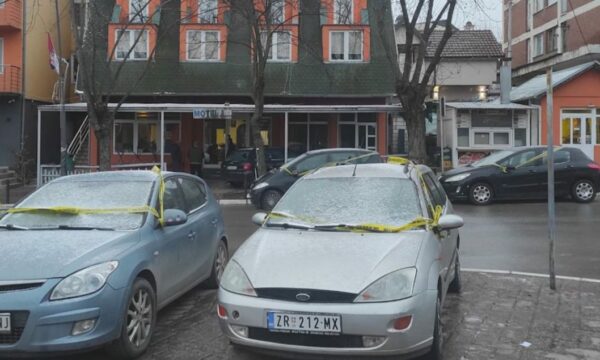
x=456 y=190
x=40 y=325
x=255 y=196
x=358 y=320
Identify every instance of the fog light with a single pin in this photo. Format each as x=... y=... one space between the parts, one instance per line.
x=458 y=190
x=83 y=326
x=221 y=311
x=403 y=323
x=240 y=330
x=372 y=341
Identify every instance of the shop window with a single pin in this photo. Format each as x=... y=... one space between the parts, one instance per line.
x=342 y=11
x=520 y=137
x=501 y=138
x=123 y=141
x=148 y=138
x=463 y=137
x=346 y=45
x=491 y=137
x=481 y=138
x=131 y=44
x=281 y=45
x=203 y=45
x=142 y=135
x=138 y=11
x=208 y=11
x=307 y=133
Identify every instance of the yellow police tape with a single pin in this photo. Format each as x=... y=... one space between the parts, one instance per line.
x=71 y=210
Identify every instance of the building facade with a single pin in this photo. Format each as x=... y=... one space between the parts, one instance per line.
x=561 y=33
x=327 y=78
x=26 y=79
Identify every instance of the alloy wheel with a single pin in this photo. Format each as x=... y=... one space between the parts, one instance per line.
x=139 y=318
x=220 y=261
x=482 y=194
x=584 y=190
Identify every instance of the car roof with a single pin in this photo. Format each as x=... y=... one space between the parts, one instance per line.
x=125 y=175
x=334 y=150
x=363 y=170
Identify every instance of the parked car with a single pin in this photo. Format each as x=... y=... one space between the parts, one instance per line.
x=86 y=263
x=341 y=268
x=266 y=191
x=523 y=174
x=239 y=168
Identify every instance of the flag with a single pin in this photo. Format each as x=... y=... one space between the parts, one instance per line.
x=54 y=63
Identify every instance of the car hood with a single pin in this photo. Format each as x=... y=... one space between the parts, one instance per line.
x=44 y=254
x=464 y=169
x=267 y=176
x=336 y=261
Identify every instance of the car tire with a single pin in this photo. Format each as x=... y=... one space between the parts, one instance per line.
x=481 y=194
x=583 y=191
x=219 y=262
x=269 y=199
x=456 y=284
x=436 y=352
x=141 y=309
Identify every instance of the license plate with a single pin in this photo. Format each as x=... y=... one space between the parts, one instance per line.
x=232 y=167
x=5 y=323
x=304 y=323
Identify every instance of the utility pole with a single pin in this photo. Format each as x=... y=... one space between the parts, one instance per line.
x=550 y=160
x=61 y=90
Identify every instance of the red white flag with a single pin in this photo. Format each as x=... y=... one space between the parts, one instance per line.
x=54 y=62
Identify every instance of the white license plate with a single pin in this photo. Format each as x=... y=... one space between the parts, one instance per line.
x=304 y=323
x=232 y=167
x=5 y=323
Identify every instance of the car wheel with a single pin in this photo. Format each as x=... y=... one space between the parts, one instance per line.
x=481 y=194
x=583 y=191
x=221 y=258
x=138 y=322
x=456 y=284
x=438 y=340
x=269 y=199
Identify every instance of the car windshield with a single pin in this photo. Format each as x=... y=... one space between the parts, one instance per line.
x=240 y=155
x=493 y=158
x=350 y=201
x=84 y=195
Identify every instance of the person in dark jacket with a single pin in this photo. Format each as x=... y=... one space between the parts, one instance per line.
x=173 y=148
x=196 y=159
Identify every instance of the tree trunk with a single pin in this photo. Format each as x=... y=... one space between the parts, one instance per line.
x=257 y=140
x=415 y=124
x=102 y=123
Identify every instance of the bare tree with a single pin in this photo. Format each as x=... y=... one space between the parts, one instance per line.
x=101 y=64
x=418 y=20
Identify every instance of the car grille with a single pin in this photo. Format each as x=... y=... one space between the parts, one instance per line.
x=18 y=321
x=316 y=296
x=20 y=287
x=328 y=341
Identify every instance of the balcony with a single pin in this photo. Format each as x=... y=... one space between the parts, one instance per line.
x=11 y=14
x=10 y=79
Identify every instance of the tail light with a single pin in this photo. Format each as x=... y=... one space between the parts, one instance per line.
x=247 y=166
x=221 y=311
x=594 y=166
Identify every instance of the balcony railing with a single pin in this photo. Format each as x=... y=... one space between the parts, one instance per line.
x=11 y=14
x=10 y=79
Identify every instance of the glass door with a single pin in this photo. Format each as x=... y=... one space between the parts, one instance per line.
x=367 y=136
x=577 y=129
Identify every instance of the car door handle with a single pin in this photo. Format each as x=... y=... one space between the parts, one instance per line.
x=192 y=235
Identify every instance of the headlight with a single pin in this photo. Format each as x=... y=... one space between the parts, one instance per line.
x=236 y=281
x=393 y=286
x=260 y=186
x=84 y=282
x=458 y=177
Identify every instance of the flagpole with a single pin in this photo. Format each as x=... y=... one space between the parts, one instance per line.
x=61 y=90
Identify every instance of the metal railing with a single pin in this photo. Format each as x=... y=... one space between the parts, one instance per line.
x=51 y=172
x=10 y=79
x=80 y=138
x=11 y=13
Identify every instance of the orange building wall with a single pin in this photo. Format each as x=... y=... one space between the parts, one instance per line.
x=582 y=92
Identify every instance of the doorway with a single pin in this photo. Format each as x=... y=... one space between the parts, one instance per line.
x=580 y=129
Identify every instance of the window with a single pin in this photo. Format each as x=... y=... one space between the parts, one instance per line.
x=481 y=138
x=538 y=45
x=310 y=163
x=463 y=137
x=560 y=157
x=281 y=45
x=277 y=11
x=522 y=159
x=491 y=137
x=563 y=30
x=342 y=11
x=538 y=5
x=138 y=11
x=123 y=137
x=148 y=134
x=172 y=198
x=193 y=192
x=439 y=196
x=345 y=45
x=141 y=136
x=134 y=40
x=307 y=132
x=551 y=2
x=208 y=11
x=520 y=137
x=1 y=55
x=203 y=45
x=551 y=40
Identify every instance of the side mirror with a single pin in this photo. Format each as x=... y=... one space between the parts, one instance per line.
x=175 y=217
x=259 y=218
x=449 y=222
x=510 y=168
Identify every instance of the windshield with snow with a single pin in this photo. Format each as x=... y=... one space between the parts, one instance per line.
x=87 y=195
x=350 y=200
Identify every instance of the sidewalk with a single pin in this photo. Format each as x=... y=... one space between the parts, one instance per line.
x=520 y=318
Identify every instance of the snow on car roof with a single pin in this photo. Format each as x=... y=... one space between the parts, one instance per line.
x=363 y=170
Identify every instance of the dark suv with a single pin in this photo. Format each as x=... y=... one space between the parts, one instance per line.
x=268 y=189
x=240 y=166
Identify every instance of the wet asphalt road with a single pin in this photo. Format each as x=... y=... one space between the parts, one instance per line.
x=510 y=236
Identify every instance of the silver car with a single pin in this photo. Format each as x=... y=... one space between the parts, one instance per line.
x=354 y=260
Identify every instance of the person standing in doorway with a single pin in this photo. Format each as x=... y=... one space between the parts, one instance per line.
x=196 y=159
x=230 y=146
x=173 y=148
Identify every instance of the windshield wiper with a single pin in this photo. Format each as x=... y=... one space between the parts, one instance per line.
x=13 y=227
x=347 y=227
x=289 y=225
x=69 y=227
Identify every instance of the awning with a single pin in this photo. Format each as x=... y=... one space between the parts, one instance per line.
x=491 y=105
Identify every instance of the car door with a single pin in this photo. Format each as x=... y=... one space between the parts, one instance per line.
x=522 y=177
x=200 y=248
x=564 y=172
x=448 y=239
x=173 y=243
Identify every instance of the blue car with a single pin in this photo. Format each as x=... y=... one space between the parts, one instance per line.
x=88 y=260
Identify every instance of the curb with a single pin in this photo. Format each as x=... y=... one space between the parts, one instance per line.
x=521 y=273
